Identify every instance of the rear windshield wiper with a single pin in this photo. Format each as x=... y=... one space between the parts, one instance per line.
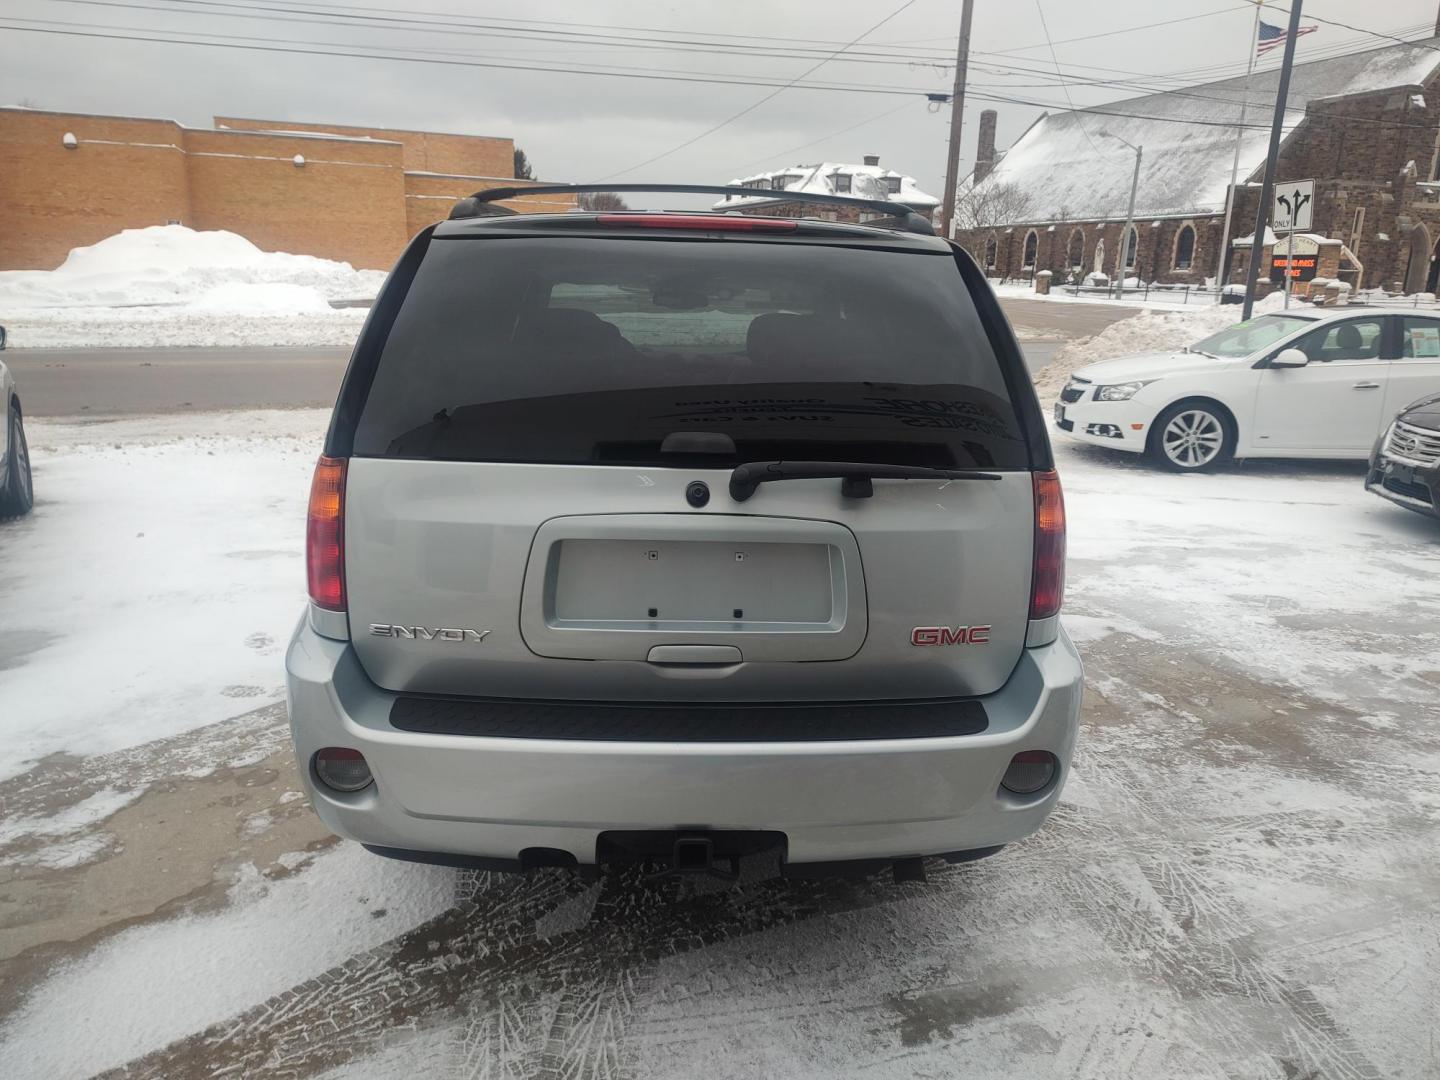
x=856 y=474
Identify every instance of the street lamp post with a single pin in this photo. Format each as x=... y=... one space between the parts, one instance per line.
x=1129 y=216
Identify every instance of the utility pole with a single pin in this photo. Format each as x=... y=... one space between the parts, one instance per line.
x=1130 y=226
x=1123 y=257
x=1267 y=188
x=957 y=111
x=1222 y=262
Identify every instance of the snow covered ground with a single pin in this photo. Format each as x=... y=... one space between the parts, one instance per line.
x=179 y=539
x=168 y=285
x=1234 y=887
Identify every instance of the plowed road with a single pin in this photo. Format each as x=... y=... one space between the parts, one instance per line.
x=109 y=382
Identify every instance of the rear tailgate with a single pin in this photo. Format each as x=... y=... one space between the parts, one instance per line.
x=515 y=526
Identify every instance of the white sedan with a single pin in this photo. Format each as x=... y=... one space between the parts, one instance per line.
x=1300 y=384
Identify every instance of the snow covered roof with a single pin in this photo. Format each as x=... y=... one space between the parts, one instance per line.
x=1069 y=171
x=866 y=182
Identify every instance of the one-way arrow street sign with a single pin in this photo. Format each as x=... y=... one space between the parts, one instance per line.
x=1294 y=209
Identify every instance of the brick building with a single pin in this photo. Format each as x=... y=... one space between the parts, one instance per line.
x=867 y=181
x=349 y=193
x=1364 y=126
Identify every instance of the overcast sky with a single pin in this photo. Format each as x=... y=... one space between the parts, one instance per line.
x=582 y=127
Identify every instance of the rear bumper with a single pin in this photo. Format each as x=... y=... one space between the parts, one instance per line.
x=494 y=798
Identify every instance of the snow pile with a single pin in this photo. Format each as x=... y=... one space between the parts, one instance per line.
x=276 y=298
x=167 y=264
x=1148 y=332
x=170 y=285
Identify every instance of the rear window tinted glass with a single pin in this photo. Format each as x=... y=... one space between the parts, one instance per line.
x=586 y=351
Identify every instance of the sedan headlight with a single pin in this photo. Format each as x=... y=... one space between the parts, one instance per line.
x=1120 y=391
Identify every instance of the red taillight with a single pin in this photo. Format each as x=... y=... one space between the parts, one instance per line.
x=708 y=222
x=325 y=535
x=1048 y=587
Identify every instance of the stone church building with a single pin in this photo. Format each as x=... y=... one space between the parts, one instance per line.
x=1364 y=126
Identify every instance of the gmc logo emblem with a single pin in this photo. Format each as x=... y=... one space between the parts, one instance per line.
x=944 y=635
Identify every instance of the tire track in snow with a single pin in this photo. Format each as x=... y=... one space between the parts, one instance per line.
x=484 y=961
x=1200 y=945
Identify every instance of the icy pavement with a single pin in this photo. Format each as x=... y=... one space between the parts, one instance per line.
x=1240 y=882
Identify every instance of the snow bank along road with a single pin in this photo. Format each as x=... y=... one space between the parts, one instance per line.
x=68 y=382
x=1239 y=883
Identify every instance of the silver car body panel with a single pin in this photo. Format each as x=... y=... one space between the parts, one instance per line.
x=840 y=800
x=473 y=545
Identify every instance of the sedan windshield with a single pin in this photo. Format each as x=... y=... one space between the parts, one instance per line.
x=1247 y=337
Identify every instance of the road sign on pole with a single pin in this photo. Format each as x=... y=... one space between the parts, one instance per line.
x=1294 y=209
x=1263 y=205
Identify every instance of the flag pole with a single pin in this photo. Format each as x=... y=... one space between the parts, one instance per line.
x=1235 y=161
x=1267 y=186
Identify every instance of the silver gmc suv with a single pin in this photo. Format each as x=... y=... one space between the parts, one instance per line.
x=684 y=539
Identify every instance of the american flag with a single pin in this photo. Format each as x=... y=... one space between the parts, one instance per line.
x=1272 y=37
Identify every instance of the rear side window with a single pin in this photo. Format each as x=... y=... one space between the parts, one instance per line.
x=1354 y=339
x=585 y=351
x=1420 y=339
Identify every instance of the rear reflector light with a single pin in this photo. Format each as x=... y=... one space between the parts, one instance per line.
x=1048 y=579
x=1029 y=772
x=708 y=222
x=325 y=535
x=342 y=768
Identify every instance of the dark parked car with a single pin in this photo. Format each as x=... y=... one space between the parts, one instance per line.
x=1405 y=465
x=16 y=493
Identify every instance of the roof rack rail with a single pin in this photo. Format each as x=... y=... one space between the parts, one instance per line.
x=483 y=203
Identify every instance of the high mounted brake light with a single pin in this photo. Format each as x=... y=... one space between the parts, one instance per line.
x=325 y=535
x=708 y=222
x=1048 y=579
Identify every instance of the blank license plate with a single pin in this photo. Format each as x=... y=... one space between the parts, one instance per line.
x=693 y=581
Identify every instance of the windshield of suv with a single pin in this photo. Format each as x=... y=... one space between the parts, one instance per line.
x=582 y=350
x=1247 y=337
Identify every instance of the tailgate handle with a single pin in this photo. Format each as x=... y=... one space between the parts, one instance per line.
x=694 y=654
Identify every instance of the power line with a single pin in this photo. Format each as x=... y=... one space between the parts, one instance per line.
x=1088 y=37
x=58 y=28
x=1063 y=85
x=1048 y=43
x=504 y=29
x=451 y=16
x=826 y=138
x=483 y=28
x=346 y=52
x=751 y=108
x=1362 y=30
